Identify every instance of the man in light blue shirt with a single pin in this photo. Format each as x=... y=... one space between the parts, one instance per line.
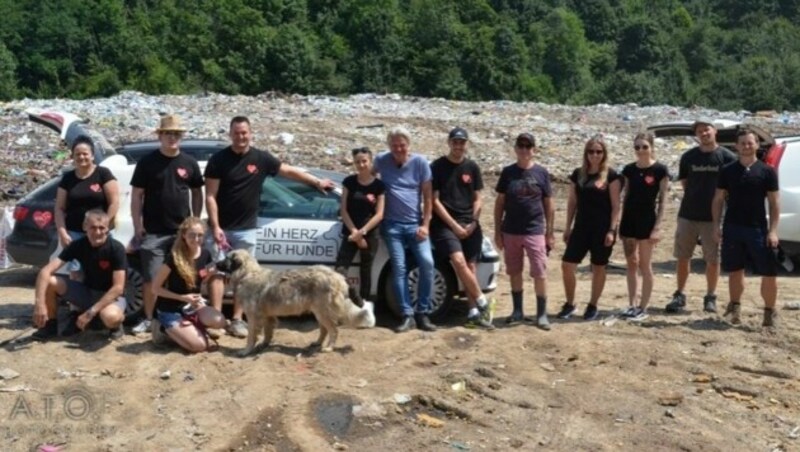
x=406 y=222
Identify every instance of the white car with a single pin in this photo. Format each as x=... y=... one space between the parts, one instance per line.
x=297 y=225
x=780 y=152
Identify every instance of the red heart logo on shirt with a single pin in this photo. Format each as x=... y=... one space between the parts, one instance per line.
x=649 y=180
x=600 y=185
x=42 y=218
x=252 y=169
x=182 y=173
x=371 y=198
x=104 y=264
x=466 y=178
x=95 y=188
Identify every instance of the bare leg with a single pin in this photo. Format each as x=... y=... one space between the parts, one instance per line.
x=769 y=291
x=712 y=276
x=568 y=276
x=112 y=316
x=540 y=286
x=467 y=278
x=188 y=337
x=683 y=273
x=632 y=261
x=216 y=290
x=598 y=283
x=646 y=269
x=736 y=285
x=149 y=299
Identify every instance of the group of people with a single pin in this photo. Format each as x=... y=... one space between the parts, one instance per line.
x=418 y=208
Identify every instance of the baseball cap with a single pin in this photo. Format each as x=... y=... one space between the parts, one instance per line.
x=703 y=121
x=458 y=134
x=525 y=136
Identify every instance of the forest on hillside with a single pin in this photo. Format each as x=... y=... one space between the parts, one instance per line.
x=726 y=54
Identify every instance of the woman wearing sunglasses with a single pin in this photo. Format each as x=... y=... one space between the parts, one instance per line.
x=646 y=185
x=180 y=309
x=592 y=220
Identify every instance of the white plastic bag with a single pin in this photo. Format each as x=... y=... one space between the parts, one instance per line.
x=6 y=226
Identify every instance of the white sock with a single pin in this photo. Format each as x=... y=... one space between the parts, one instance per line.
x=482 y=301
x=473 y=312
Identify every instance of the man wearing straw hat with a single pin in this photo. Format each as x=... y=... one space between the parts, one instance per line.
x=167 y=187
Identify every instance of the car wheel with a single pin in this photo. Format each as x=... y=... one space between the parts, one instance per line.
x=133 y=295
x=444 y=290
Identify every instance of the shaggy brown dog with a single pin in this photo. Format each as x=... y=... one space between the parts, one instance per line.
x=266 y=295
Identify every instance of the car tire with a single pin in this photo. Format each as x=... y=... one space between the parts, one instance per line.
x=133 y=296
x=444 y=290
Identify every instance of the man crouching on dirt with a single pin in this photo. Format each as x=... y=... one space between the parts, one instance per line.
x=103 y=263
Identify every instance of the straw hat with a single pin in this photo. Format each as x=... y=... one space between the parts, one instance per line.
x=170 y=123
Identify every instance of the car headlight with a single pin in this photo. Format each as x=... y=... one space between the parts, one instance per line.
x=487 y=248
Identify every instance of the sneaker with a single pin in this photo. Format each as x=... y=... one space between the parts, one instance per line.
x=710 y=303
x=567 y=310
x=735 y=311
x=677 y=304
x=478 y=321
x=47 y=332
x=639 y=316
x=629 y=312
x=487 y=312
x=770 y=318
x=142 y=327
x=116 y=334
x=237 y=328
x=590 y=313
x=159 y=336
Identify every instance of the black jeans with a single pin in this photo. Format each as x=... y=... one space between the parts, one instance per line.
x=347 y=252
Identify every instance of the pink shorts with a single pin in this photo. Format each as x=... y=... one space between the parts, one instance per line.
x=514 y=247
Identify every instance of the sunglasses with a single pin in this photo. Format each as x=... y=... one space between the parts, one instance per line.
x=195 y=235
x=640 y=147
x=594 y=151
x=172 y=134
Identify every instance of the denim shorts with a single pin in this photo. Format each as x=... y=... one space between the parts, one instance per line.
x=169 y=319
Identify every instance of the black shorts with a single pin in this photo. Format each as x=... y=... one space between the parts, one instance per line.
x=585 y=240
x=742 y=244
x=445 y=243
x=637 y=224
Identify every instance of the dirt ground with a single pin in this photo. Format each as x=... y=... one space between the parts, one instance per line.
x=675 y=382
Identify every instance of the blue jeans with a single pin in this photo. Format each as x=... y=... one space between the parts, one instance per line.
x=400 y=237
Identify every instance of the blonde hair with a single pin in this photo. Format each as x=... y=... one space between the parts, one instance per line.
x=583 y=174
x=184 y=262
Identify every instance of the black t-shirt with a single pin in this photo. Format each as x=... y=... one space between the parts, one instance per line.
x=747 y=189
x=643 y=186
x=167 y=184
x=240 y=178
x=176 y=284
x=593 y=210
x=98 y=264
x=524 y=190
x=84 y=195
x=361 y=200
x=701 y=170
x=457 y=184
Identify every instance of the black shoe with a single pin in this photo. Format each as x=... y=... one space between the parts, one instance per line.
x=47 y=332
x=70 y=326
x=407 y=325
x=424 y=323
x=677 y=304
x=590 y=313
x=515 y=317
x=567 y=310
x=710 y=303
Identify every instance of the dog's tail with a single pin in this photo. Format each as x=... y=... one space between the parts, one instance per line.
x=353 y=315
